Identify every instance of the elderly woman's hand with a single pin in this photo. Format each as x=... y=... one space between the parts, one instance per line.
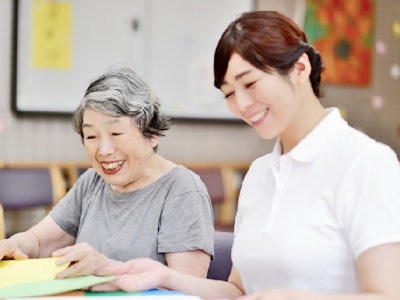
x=9 y=249
x=83 y=260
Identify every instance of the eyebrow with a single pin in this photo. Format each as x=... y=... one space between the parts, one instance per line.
x=112 y=121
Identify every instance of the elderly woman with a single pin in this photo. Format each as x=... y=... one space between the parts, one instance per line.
x=133 y=202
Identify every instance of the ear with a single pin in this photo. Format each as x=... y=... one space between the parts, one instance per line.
x=154 y=141
x=302 y=69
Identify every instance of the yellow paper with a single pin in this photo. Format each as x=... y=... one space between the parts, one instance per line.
x=14 y=272
x=51 y=34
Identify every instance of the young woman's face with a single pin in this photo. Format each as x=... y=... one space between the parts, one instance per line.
x=265 y=101
x=117 y=149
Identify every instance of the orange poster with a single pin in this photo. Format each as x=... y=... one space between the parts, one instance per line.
x=342 y=31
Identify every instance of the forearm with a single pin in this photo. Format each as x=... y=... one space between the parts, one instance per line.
x=194 y=263
x=204 y=288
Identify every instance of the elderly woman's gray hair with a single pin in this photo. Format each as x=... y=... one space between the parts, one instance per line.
x=122 y=92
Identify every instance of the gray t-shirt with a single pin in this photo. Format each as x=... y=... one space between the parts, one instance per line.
x=172 y=214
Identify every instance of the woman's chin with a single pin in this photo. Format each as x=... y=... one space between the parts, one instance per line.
x=266 y=134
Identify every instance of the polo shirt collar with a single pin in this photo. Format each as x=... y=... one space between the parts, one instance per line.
x=314 y=142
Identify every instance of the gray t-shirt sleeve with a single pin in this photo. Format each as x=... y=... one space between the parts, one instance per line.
x=186 y=221
x=68 y=212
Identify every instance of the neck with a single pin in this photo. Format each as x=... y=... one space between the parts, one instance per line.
x=304 y=122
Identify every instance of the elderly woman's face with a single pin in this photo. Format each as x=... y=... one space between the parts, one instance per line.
x=117 y=149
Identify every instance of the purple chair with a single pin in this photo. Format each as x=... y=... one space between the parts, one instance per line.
x=221 y=264
x=22 y=188
x=26 y=187
x=218 y=183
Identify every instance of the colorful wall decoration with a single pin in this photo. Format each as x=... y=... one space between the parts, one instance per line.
x=342 y=31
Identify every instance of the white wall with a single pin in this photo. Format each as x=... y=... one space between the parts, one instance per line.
x=45 y=139
x=52 y=139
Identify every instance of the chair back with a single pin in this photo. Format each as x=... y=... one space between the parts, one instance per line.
x=22 y=188
x=212 y=178
x=219 y=185
x=73 y=171
x=221 y=264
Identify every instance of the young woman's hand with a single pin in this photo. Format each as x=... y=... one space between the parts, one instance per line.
x=136 y=275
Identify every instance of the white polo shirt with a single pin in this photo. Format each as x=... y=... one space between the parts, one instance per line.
x=304 y=217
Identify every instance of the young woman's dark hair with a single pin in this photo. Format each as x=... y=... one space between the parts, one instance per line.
x=269 y=41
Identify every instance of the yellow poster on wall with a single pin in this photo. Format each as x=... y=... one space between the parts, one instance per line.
x=51 y=34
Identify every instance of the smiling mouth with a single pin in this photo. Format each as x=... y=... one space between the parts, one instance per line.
x=258 y=116
x=112 y=165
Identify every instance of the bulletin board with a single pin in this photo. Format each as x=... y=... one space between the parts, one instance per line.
x=59 y=47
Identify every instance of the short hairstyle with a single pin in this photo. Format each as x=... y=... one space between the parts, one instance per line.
x=122 y=92
x=269 y=41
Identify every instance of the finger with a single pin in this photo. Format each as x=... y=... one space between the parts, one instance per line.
x=128 y=283
x=137 y=266
x=18 y=254
x=119 y=269
x=137 y=282
x=68 y=255
x=63 y=251
x=3 y=250
x=11 y=251
x=105 y=287
x=68 y=272
x=65 y=273
x=66 y=260
x=78 y=248
x=79 y=268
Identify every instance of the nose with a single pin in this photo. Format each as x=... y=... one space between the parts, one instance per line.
x=106 y=146
x=243 y=100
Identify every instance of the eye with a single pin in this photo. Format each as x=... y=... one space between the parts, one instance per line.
x=116 y=133
x=229 y=95
x=89 y=137
x=250 y=84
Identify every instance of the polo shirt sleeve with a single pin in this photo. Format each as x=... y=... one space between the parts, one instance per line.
x=369 y=199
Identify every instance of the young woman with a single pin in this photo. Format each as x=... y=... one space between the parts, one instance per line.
x=319 y=216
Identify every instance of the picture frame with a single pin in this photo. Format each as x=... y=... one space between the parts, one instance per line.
x=59 y=47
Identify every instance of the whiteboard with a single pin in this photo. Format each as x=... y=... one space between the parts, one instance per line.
x=170 y=43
